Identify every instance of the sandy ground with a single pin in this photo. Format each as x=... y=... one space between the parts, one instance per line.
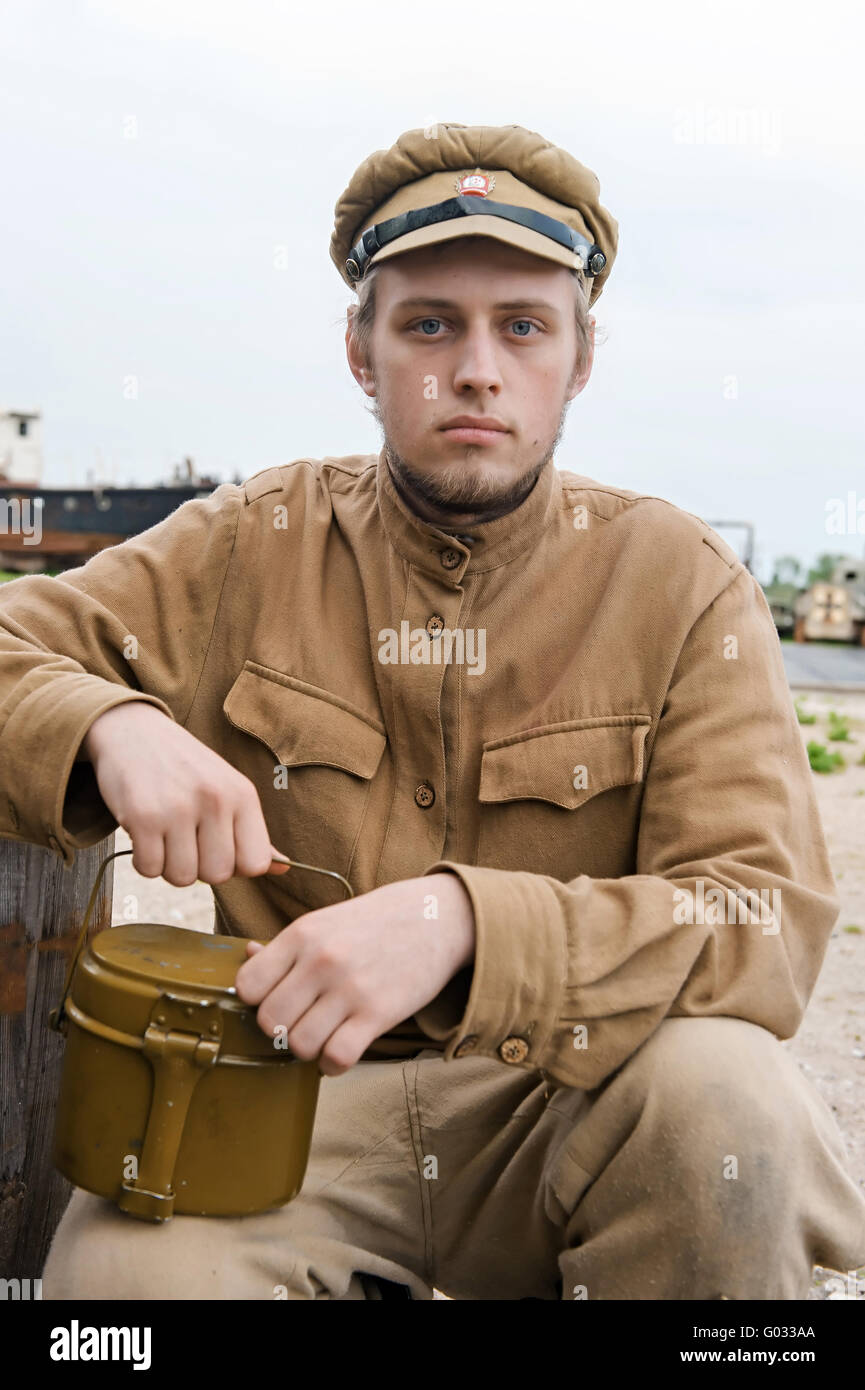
x=830 y=1044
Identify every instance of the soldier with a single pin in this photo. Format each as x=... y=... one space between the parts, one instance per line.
x=542 y=1077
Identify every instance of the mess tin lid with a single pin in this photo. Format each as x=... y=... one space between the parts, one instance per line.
x=124 y=971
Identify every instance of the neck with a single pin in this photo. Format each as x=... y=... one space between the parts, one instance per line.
x=448 y=518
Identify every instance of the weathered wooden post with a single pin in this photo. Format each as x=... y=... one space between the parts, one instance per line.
x=42 y=905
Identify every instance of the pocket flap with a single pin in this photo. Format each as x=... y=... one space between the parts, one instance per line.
x=301 y=724
x=566 y=764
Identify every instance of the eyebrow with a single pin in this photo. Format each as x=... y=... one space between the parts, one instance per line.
x=419 y=301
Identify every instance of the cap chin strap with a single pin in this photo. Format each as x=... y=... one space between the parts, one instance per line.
x=590 y=256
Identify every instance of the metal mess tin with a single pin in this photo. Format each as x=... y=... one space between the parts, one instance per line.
x=172 y=1099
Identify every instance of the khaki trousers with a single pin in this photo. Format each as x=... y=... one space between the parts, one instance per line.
x=706 y=1166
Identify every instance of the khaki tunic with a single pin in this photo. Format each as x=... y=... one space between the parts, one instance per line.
x=612 y=738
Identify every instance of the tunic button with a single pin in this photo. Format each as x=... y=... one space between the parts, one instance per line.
x=424 y=796
x=468 y=1044
x=514 y=1050
x=451 y=559
x=435 y=624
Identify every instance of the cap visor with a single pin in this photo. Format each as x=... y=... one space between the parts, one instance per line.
x=497 y=228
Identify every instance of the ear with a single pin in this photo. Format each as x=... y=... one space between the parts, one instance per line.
x=358 y=363
x=581 y=374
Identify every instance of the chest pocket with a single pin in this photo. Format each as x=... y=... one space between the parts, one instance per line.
x=541 y=807
x=313 y=772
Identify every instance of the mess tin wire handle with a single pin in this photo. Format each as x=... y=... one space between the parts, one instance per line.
x=57 y=1016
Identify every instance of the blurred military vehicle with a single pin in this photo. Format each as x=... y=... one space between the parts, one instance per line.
x=833 y=609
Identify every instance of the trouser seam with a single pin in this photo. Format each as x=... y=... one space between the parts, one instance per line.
x=410 y=1071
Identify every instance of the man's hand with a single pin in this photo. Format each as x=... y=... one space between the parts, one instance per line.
x=189 y=813
x=337 y=978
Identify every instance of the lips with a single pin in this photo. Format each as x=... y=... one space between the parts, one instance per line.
x=475 y=422
x=474 y=429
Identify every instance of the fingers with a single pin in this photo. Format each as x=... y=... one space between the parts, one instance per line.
x=148 y=849
x=181 y=855
x=222 y=843
x=263 y=970
x=293 y=1001
x=295 y=1004
x=216 y=847
x=253 y=852
x=310 y=1034
x=283 y=1009
x=346 y=1046
x=213 y=852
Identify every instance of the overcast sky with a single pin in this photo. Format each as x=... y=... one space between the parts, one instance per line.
x=156 y=152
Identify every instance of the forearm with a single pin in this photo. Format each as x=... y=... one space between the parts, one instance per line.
x=584 y=972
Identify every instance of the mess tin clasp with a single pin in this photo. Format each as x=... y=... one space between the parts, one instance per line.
x=181 y=1042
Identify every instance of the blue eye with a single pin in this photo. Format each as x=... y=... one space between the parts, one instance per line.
x=429 y=327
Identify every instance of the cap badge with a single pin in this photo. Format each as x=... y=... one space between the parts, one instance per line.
x=477 y=184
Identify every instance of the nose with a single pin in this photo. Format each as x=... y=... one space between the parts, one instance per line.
x=477 y=367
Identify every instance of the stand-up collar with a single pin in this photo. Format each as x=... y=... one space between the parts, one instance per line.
x=494 y=543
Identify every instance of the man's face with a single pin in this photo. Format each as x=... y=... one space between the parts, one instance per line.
x=477 y=328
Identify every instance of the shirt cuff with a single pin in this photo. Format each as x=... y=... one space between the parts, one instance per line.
x=516 y=988
x=55 y=802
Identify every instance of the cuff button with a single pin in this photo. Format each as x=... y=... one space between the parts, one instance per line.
x=514 y=1050
x=467 y=1045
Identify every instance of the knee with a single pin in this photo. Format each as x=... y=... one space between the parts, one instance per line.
x=717 y=1095
x=99 y=1252
x=710 y=1138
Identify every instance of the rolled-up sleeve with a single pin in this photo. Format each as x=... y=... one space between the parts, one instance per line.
x=133 y=623
x=729 y=909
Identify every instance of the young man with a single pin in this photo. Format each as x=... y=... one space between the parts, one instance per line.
x=542 y=725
